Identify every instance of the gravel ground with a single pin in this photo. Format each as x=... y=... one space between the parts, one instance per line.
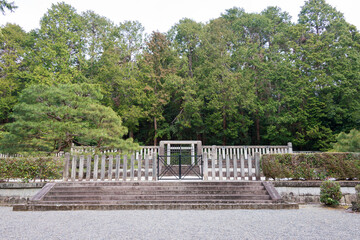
x=309 y=222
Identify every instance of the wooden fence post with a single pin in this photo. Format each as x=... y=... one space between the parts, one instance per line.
x=227 y=166
x=73 y=168
x=88 y=167
x=205 y=166
x=139 y=167
x=96 y=166
x=81 y=168
x=213 y=159
x=111 y=159
x=257 y=166
x=146 y=167
x=249 y=167
x=154 y=169
x=132 y=166
x=242 y=166
x=66 y=167
x=220 y=167
x=125 y=168
x=235 y=166
x=117 y=166
x=102 y=174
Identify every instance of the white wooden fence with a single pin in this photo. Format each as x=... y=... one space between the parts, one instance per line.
x=245 y=150
x=139 y=167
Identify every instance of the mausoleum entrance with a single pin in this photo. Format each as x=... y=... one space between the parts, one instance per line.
x=180 y=160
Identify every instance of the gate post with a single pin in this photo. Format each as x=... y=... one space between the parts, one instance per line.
x=290 y=150
x=161 y=149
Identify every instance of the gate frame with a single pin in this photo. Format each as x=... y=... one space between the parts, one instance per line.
x=199 y=152
x=162 y=145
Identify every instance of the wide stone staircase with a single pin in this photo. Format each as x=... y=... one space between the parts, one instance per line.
x=156 y=195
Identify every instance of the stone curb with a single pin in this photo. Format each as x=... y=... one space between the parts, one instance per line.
x=311 y=183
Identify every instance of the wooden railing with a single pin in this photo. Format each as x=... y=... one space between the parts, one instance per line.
x=245 y=150
x=231 y=167
x=109 y=167
x=140 y=167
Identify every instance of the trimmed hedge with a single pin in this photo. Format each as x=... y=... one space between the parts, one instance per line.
x=312 y=166
x=31 y=168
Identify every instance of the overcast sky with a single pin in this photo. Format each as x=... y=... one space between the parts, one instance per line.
x=162 y=14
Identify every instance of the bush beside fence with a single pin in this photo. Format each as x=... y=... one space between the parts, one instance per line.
x=312 y=166
x=31 y=168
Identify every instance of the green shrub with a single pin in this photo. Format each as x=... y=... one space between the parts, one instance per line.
x=31 y=168
x=318 y=166
x=356 y=205
x=330 y=193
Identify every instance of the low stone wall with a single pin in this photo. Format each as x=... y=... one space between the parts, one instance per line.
x=309 y=191
x=15 y=193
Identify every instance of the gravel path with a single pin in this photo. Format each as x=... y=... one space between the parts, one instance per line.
x=309 y=222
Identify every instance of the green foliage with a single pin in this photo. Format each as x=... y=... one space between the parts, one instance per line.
x=31 y=168
x=330 y=193
x=311 y=166
x=13 y=42
x=51 y=118
x=348 y=142
x=356 y=204
x=57 y=53
x=4 y=4
x=242 y=78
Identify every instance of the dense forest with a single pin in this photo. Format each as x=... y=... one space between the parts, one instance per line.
x=240 y=79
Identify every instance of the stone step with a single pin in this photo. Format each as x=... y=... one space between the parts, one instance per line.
x=161 y=183
x=157 y=201
x=154 y=197
x=157 y=192
x=131 y=206
x=156 y=188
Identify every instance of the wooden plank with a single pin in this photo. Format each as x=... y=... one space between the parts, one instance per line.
x=96 y=166
x=88 y=167
x=111 y=160
x=81 y=168
x=249 y=167
x=242 y=166
x=117 y=167
x=213 y=159
x=154 y=169
x=73 y=168
x=220 y=167
x=124 y=167
x=102 y=171
x=205 y=167
x=257 y=166
x=235 y=167
x=66 y=167
x=146 y=167
x=227 y=160
x=132 y=167
x=139 y=168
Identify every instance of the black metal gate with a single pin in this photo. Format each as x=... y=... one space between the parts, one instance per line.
x=180 y=167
